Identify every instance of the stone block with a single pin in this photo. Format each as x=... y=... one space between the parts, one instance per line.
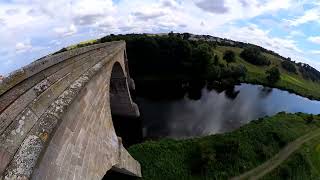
x=44 y=127
x=19 y=89
x=5 y=158
x=8 y=115
x=17 y=131
x=25 y=159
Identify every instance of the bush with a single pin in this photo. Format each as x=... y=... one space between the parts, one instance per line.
x=229 y=56
x=309 y=119
x=273 y=75
x=254 y=56
x=289 y=66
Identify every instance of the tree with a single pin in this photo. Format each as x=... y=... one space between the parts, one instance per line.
x=202 y=58
x=216 y=60
x=309 y=119
x=254 y=56
x=289 y=66
x=186 y=36
x=273 y=75
x=229 y=56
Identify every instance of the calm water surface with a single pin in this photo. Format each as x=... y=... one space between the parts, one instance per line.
x=217 y=112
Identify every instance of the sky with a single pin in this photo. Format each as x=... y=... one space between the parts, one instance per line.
x=30 y=29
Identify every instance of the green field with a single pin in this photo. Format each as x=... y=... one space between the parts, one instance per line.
x=224 y=155
x=304 y=164
x=289 y=81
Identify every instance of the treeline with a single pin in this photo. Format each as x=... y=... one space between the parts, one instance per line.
x=306 y=70
x=309 y=72
x=175 y=57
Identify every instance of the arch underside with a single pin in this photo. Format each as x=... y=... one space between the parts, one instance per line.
x=72 y=136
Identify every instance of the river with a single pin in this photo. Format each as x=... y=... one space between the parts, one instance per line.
x=214 y=111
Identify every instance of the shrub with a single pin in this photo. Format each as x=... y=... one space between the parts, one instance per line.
x=229 y=56
x=289 y=66
x=273 y=75
x=254 y=56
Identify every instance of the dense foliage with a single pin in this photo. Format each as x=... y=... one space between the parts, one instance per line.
x=309 y=72
x=220 y=156
x=254 y=56
x=173 y=56
x=229 y=56
x=289 y=66
x=199 y=57
x=273 y=75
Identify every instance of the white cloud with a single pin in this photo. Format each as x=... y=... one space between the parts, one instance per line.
x=309 y=16
x=148 y=15
x=63 y=22
x=23 y=46
x=296 y=33
x=314 y=39
x=316 y=52
x=216 y=7
x=253 y=34
x=66 y=31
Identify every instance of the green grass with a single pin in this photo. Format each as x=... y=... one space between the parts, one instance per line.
x=220 y=156
x=289 y=81
x=82 y=44
x=304 y=164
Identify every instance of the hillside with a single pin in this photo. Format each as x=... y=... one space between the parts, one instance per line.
x=227 y=155
x=188 y=57
x=289 y=81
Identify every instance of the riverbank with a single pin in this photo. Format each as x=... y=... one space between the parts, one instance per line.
x=222 y=156
x=291 y=82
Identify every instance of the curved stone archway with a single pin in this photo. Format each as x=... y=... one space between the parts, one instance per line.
x=58 y=123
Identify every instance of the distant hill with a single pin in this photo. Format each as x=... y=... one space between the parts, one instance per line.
x=182 y=56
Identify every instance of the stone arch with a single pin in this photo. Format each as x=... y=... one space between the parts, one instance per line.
x=60 y=117
x=120 y=99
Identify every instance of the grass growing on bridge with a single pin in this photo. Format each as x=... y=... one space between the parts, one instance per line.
x=221 y=156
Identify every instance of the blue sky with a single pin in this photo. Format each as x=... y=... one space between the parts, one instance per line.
x=30 y=29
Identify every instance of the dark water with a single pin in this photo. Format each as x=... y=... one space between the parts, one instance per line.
x=217 y=111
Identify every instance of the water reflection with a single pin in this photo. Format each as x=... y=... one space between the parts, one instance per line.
x=206 y=111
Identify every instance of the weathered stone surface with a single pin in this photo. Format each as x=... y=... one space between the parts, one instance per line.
x=42 y=86
x=37 y=66
x=9 y=114
x=17 y=131
x=127 y=164
x=59 y=125
x=10 y=96
x=44 y=127
x=25 y=159
x=5 y=158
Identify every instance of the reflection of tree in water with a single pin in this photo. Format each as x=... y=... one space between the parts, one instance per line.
x=194 y=89
x=231 y=93
x=265 y=92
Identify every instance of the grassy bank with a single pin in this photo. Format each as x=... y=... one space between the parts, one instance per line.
x=304 y=164
x=291 y=82
x=221 y=156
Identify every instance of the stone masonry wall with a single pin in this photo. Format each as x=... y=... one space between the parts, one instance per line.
x=57 y=111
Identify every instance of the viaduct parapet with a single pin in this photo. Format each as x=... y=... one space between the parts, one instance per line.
x=56 y=116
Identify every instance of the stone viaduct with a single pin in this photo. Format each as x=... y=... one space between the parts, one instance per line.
x=56 y=116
